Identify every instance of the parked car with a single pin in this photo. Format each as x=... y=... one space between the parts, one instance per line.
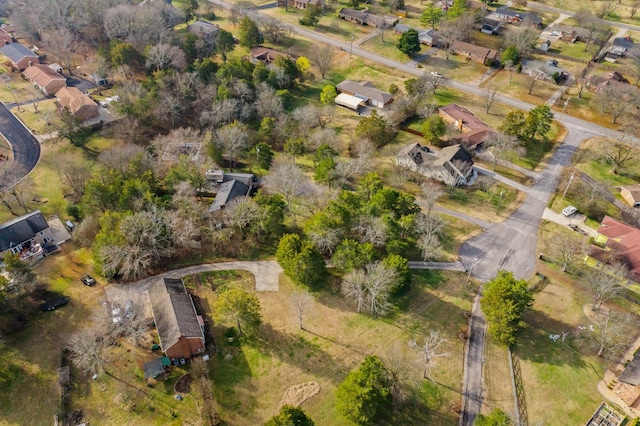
x=104 y=104
x=568 y=211
x=116 y=314
x=88 y=280
x=436 y=74
x=54 y=304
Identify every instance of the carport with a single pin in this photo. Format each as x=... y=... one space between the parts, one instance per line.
x=349 y=101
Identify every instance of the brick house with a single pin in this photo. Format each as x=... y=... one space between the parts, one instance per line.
x=45 y=78
x=19 y=55
x=367 y=92
x=476 y=53
x=180 y=328
x=79 y=104
x=473 y=130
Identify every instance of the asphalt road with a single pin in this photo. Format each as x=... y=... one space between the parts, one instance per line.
x=25 y=147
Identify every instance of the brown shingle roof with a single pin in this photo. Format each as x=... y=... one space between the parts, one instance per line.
x=366 y=89
x=42 y=74
x=625 y=242
x=74 y=99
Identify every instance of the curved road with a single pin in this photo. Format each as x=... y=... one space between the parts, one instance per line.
x=25 y=147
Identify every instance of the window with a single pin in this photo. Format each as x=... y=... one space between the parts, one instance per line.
x=16 y=250
x=46 y=239
x=41 y=233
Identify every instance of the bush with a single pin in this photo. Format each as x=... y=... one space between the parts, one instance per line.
x=209 y=16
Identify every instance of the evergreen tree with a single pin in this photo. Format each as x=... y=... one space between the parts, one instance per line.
x=290 y=416
x=249 y=33
x=409 y=42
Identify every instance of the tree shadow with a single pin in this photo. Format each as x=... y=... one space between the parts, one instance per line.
x=534 y=343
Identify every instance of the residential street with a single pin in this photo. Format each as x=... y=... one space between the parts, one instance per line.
x=25 y=147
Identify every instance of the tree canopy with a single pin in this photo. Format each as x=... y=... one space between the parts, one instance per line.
x=290 y=416
x=365 y=394
x=241 y=307
x=504 y=301
x=409 y=42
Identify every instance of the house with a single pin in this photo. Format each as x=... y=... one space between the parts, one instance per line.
x=79 y=104
x=5 y=37
x=350 y=102
x=614 y=78
x=45 y=79
x=628 y=387
x=427 y=37
x=19 y=55
x=364 y=17
x=631 y=194
x=473 y=130
x=303 y=4
x=621 y=45
x=266 y=55
x=571 y=34
x=616 y=242
x=515 y=17
x=27 y=236
x=548 y=70
x=229 y=186
x=180 y=328
x=490 y=26
x=203 y=28
x=545 y=45
x=367 y=92
x=451 y=165
x=476 y=53
x=229 y=191
x=100 y=80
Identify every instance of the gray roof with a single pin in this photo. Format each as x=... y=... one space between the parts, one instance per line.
x=402 y=28
x=422 y=155
x=153 y=368
x=631 y=374
x=358 y=14
x=173 y=312
x=624 y=42
x=365 y=89
x=203 y=27
x=246 y=178
x=21 y=229
x=227 y=192
x=17 y=51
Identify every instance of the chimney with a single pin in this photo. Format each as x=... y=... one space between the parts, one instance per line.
x=30 y=63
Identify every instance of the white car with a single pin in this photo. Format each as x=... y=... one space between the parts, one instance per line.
x=568 y=211
x=436 y=74
x=104 y=104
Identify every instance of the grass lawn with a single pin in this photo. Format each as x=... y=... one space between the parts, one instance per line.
x=557 y=378
x=497 y=378
x=518 y=87
x=592 y=161
x=45 y=120
x=573 y=50
x=249 y=386
x=490 y=205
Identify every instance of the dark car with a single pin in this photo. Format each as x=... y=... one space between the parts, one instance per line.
x=88 y=280
x=54 y=304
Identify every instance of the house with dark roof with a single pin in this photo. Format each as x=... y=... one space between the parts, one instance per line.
x=229 y=191
x=156 y=367
x=45 y=78
x=303 y=4
x=266 y=54
x=180 y=328
x=631 y=194
x=516 y=17
x=614 y=78
x=26 y=236
x=616 y=242
x=203 y=28
x=19 y=55
x=544 y=70
x=570 y=33
x=621 y=45
x=367 y=92
x=473 y=131
x=79 y=104
x=476 y=53
x=364 y=17
x=451 y=165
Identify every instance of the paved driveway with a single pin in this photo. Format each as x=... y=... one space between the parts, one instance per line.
x=25 y=147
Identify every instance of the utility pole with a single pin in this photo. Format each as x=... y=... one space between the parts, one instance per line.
x=573 y=172
x=475 y=261
x=500 y=201
x=351 y=45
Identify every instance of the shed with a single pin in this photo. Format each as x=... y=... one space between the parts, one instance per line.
x=153 y=369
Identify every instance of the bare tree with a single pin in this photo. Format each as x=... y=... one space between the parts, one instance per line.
x=87 y=347
x=634 y=9
x=62 y=43
x=323 y=56
x=501 y=144
x=163 y=56
x=429 y=228
x=511 y=67
x=370 y=288
x=273 y=29
x=489 y=95
x=430 y=351
x=567 y=248
x=523 y=39
x=616 y=99
x=286 y=179
x=531 y=78
x=372 y=230
x=234 y=139
x=241 y=213
x=301 y=302
x=604 y=284
x=606 y=8
x=268 y=103
x=634 y=61
x=449 y=33
x=611 y=336
x=431 y=192
x=624 y=151
x=582 y=82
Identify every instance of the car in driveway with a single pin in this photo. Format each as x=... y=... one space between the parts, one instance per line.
x=88 y=280
x=54 y=304
x=568 y=211
x=436 y=74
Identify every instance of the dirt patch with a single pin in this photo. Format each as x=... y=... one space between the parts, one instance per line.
x=183 y=385
x=297 y=394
